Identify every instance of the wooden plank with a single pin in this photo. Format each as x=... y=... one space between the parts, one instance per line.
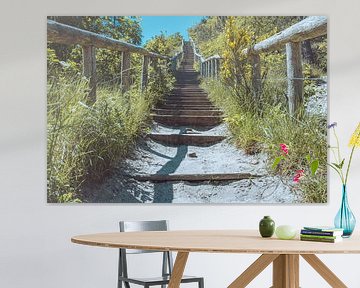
x=145 y=73
x=178 y=270
x=89 y=70
x=253 y=270
x=219 y=241
x=286 y=271
x=125 y=71
x=212 y=57
x=295 y=91
x=217 y=68
x=187 y=112
x=309 y=28
x=279 y=269
x=324 y=271
x=214 y=68
x=195 y=177
x=186 y=139
x=69 y=35
x=293 y=270
x=193 y=121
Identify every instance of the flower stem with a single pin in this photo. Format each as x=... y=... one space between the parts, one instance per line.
x=350 y=159
x=348 y=166
x=338 y=145
x=339 y=160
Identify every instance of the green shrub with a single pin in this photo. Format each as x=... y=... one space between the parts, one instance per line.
x=305 y=138
x=85 y=141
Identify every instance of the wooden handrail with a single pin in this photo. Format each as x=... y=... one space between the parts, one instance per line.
x=309 y=28
x=69 y=35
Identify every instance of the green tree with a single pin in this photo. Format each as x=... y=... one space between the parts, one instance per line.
x=125 y=28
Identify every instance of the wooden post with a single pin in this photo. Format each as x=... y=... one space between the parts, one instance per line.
x=89 y=70
x=125 y=71
x=210 y=68
x=213 y=69
x=256 y=78
x=216 y=69
x=295 y=77
x=145 y=73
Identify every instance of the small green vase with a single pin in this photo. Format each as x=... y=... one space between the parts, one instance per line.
x=267 y=227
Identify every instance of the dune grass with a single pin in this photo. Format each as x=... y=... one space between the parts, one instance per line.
x=85 y=140
x=306 y=138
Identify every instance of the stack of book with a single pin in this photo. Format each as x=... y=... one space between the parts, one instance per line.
x=321 y=234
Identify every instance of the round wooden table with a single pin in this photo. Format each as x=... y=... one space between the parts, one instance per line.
x=284 y=254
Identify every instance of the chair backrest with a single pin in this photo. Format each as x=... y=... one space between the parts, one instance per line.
x=134 y=226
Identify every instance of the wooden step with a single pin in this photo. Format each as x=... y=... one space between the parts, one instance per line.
x=187 y=88
x=187 y=97
x=187 y=107
x=187 y=112
x=195 y=121
x=187 y=101
x=195 y=177
x=186 y=139
x=188 y=92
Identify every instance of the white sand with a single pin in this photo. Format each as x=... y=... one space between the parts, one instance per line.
x=153 y=158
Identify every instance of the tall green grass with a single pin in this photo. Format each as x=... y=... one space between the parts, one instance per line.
x=253 y=133
x=84 y=141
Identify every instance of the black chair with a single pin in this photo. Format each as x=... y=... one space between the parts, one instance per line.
x=167 y=265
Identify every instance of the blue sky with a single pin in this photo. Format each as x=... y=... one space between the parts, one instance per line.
x=153 y=25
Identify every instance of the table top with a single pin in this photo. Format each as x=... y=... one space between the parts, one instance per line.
x=216 y=241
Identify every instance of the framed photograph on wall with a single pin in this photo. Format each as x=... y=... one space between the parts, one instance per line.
x=187 y=109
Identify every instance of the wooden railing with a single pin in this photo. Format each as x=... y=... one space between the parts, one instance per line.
x=309 y=28
x=176 y=60
x=69 y=35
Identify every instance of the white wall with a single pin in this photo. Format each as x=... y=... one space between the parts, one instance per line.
x=35 y=248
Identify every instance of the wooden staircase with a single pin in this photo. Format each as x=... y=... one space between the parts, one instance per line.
x=188 y=109
x=187 y=105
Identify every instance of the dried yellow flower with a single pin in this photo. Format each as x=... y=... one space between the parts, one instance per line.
x=355 y=138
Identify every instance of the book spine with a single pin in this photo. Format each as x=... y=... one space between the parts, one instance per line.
x=320 y=233
x=319 y=236
x=318 y=239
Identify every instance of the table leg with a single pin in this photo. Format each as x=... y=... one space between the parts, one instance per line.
x=253 y=270
x=324 y=271
x=286 y=271
x=178 y=270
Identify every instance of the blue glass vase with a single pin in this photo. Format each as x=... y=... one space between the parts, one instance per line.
x=345 y=219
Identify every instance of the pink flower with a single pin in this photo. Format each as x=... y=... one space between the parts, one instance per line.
x=299 y=174
x=284 y=149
